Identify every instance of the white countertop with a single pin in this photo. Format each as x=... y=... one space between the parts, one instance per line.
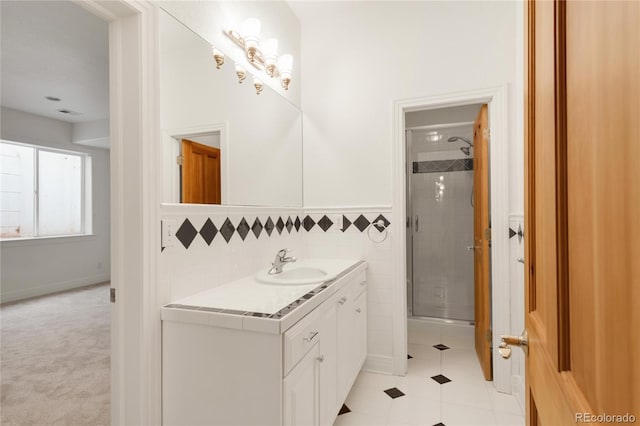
x=240 y=303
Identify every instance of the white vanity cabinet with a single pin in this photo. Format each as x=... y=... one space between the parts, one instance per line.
x=297 y=375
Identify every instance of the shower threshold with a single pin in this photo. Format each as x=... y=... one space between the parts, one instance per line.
x=436 y=320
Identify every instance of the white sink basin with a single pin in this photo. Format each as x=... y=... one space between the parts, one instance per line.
x=306 y=271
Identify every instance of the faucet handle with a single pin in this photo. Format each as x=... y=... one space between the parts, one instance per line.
x=283 y=252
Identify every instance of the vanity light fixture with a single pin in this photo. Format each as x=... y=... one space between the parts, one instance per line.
x=270 y=51
x=258 y=85
x=285 y=65
x=241 y=73
x=262 y=55
x=218 y=56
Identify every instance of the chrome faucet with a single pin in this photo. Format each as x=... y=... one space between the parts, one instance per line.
x=280 y=260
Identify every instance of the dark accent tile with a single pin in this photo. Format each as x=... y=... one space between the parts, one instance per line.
x=206 y=309
x=280 y=225
x=512 y=233
x=297 y=223
x=289 y=224
x=257 y=315
x=233 y=312
x=186 y=233
x=394 y=393
x=257 y=227
x=440 y=424
x=227 y=229
x=361 y=223
x=384 y=220
x=308 y=223
x=468 y=164
x=409 y=356
x=268 y=226
x=520 y=233
x=346 y=223
x=441 y=379
x=243 y=229
x=208 y=231
x=441 y=347
x=325 y=223
x=439 y=166
x=344 y=409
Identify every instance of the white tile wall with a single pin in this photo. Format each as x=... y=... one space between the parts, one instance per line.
x=516 y=279
x=184 y=272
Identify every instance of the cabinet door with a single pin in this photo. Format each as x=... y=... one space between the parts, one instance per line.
x=328 y=368
x=346 y=334
x=360 y=309
x=302 y=391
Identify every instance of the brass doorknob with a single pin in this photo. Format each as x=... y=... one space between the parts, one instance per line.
x=521 y=341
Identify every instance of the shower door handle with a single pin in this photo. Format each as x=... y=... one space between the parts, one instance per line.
x=417 y=224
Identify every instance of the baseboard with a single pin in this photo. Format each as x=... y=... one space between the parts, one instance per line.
x=12 y=296
x=518 y=390
x=378 y=364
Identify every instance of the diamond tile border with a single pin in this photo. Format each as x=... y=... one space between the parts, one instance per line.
x=253 y=225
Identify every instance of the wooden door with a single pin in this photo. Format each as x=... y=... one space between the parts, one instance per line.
x=582 y=255
x=200 y=173
x=481 y=242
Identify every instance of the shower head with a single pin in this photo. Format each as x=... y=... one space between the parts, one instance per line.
x=466 y=150
x=456 y=138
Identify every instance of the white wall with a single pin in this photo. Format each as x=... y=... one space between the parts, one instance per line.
x=360 y=57
x=35 y=267
x=378 y=52
x=92 y=133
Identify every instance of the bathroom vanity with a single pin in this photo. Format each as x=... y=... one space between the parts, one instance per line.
x=252 y=353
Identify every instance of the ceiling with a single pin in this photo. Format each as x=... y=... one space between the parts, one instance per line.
x=54 y=48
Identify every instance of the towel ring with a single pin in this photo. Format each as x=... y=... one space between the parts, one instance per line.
x=377 y=225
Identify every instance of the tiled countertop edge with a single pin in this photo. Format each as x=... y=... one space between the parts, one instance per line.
x=247 y=320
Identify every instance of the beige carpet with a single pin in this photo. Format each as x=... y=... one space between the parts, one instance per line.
x=55 y=359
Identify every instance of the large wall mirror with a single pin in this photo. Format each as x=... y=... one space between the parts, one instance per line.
x=223 y=143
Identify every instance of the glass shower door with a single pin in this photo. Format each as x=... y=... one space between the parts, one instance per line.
x=441 y=229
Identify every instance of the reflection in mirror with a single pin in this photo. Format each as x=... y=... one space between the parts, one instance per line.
x=223 y=143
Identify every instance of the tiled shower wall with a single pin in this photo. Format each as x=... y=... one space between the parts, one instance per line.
x=213 y=249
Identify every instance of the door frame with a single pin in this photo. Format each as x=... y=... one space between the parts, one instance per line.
x=496 y=98
x=136 y=177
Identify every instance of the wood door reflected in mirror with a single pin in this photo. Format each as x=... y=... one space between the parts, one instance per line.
x=200 y=173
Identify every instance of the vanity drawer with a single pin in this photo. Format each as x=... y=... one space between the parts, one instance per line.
x=299 y=339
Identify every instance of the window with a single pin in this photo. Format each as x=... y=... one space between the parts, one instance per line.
x=44 y=192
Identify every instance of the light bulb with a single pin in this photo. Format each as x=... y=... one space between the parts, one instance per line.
x=285 y=65
x=270 y=51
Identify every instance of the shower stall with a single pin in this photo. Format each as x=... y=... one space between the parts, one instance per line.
x=440 y=268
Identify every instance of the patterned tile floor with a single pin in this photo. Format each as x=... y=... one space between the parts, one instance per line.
x=443 y=386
